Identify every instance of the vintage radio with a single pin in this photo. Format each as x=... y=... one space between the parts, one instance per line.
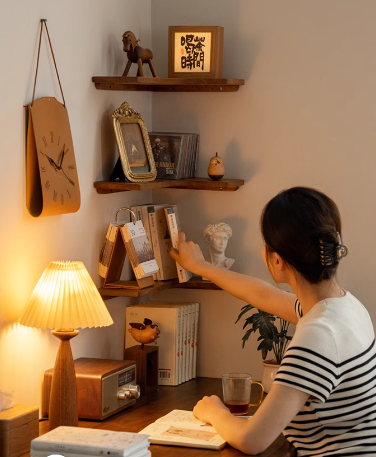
x=104 y=387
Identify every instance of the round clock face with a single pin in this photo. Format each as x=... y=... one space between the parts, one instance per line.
x=55 y=158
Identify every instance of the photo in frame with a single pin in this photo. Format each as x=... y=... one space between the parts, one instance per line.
x=195 y=52
x=133 y=144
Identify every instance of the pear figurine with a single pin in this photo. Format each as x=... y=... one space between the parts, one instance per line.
x=216 y=168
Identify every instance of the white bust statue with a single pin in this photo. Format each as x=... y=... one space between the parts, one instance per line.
x=216 y=238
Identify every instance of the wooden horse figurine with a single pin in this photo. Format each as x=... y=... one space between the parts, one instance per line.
x=136 y=54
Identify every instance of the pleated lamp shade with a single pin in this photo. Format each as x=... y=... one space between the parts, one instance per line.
x=65 y=297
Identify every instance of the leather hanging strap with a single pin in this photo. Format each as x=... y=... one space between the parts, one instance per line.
x=44 y=21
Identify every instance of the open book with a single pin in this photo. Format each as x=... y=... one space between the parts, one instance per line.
x=181 y=428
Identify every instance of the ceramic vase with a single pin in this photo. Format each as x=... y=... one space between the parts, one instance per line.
x=269 y=373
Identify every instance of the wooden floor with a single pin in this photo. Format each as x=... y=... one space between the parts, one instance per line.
x=184 y=397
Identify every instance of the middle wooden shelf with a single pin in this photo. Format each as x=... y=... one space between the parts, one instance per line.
x=195 y=283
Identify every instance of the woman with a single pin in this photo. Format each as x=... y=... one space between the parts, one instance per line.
x=324 y=395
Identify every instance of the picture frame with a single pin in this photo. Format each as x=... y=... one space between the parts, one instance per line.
x=133 y=144
x=195 y=52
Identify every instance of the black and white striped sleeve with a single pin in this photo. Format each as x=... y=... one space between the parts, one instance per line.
x=310 y=364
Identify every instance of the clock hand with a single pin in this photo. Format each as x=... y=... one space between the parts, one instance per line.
x=52 y=162
x=62 y=155
x=68 y=178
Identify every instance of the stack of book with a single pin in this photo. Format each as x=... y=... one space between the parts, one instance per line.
x=175 y=154
x=162 y=224
x=89 y=442
x=178 y=325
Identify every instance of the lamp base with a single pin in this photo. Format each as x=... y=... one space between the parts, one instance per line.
x=63 y=408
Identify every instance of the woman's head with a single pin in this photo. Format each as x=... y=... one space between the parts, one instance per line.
x=296 y=224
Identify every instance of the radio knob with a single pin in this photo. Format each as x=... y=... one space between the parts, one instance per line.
x=132 y=391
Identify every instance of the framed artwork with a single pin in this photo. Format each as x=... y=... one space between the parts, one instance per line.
x=133 y=143
x=195 y=52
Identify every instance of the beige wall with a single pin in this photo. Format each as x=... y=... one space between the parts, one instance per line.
x=305 y=116
x=86 y=38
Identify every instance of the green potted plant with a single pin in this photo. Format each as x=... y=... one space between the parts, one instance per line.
x=273 y=338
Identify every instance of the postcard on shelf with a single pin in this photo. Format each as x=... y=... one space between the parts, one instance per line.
x=91 y=442
x=181 y=428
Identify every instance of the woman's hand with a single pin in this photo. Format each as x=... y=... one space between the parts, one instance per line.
x=188 y=254
x=207 y=408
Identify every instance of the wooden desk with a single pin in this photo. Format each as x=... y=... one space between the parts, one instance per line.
x=185 y=397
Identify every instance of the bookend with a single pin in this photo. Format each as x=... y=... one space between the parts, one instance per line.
x=146 y=359
x=118 y=173
x=115 y=267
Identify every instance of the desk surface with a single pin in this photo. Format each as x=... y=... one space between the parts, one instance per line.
x=185 y=397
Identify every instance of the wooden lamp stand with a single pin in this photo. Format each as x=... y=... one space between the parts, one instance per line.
x=63 y=408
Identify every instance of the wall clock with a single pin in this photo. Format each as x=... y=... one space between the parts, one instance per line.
x=52 y=179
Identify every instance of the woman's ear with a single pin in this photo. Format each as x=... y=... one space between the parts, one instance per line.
x=277 y=261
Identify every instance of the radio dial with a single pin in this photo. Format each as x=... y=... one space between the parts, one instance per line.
x=131 y=391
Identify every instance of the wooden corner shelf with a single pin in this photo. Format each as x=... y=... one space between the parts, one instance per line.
x=229 y=185
x=139 y=83
x=195 y=283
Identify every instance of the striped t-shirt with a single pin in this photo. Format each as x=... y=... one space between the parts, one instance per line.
x=332 y=356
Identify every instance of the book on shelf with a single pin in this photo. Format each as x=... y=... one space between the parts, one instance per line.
x=173 y=224
x=175 y=361
x=182 y=428
x=161 y=242
x=141 y=453
x=70 y=441
x=175 y=154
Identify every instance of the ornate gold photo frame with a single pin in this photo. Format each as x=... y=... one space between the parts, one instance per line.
x=133 y=143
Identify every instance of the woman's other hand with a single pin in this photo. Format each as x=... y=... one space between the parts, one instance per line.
x=206 y=409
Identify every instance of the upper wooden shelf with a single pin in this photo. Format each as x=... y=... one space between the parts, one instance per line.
x=195 y=283
x=229 y=185
x=166 y=84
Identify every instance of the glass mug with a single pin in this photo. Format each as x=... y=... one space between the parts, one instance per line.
x=237 y=392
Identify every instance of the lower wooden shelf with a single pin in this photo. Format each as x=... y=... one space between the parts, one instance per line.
x=195 y=283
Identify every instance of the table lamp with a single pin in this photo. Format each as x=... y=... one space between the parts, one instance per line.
x=64 y=299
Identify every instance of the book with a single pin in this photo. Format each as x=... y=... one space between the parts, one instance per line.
x=175 y=154
x=173 y=224
x=107 y=250
x=181 y=428
x=139 y=251
x=141 y=453
x=179 y=353
x=88 y=441
x=189 y=359
x=145 y=221
x=161 y=243
x=166 y=318
x=195 y=340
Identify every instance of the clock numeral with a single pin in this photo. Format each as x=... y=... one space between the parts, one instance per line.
x=69 y=194
x=43 y=169
x=62 y=199
x=44 y=141
x=55 y=196
x=52 y=136
x=47 y=185
x=66 y=151
x=71 y=167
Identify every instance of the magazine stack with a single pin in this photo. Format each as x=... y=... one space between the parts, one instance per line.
x=89 y=442
x=175 y=154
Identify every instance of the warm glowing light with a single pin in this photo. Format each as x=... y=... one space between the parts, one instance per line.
x=65 y=297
